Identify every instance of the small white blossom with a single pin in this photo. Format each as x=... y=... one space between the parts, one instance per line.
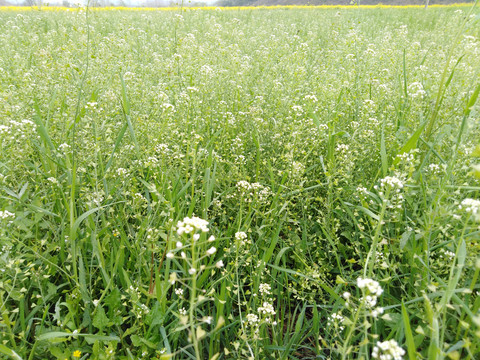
x=264 y=289
x=388 y=350
x=240 y=236
x=6 y=214
x=191 y=225
x=377 y=311
x=266 y=309
x=211 y=251
x=179 y=291
x=471 y=206
x=252 y=319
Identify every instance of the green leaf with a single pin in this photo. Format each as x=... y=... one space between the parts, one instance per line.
x=411 y=348
x=383 y=154
x=411 y=143
x=9 y=352
x=100 y=320
x=404 y=239
x=60 y=334
x=472 y=101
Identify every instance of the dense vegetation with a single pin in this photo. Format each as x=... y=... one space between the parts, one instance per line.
x=266 y=184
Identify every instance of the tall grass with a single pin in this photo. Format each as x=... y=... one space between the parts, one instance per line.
x=330 y=152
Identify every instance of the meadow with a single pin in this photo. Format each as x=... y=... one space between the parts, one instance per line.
x=294 y=183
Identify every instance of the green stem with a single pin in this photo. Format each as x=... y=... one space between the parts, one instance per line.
x=373 y=249
x=350 y=331
x=193 y=295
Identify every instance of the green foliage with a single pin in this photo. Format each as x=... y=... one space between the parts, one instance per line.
x=330 y=152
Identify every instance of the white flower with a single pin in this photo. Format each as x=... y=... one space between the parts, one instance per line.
x=179 y=291
x=335 y=319
x=219 y=264
x=240 y=236
x=122 y=172
x=64 y=147
x=264 y=289
x=191 y=225
x=392 y=182
x=266 y=309
x=6 y=214
x=170 y=255
x=211 y=251
x=377 y=311
x=471 y=206
x=372 y=286
x=252 y=319
x=192 y=271
x=388 y=350
x=371 y=290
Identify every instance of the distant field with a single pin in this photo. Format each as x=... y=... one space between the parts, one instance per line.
x=237 y=8
x=291 y=183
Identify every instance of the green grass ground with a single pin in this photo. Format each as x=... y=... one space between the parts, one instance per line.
x=330 y=153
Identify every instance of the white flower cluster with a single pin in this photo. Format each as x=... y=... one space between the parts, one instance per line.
x=17 y=129
x=377 y=311
x=392 y=182
x=335 y=320
x=265 y=289
x=298 y=169
x=241 y=238
x=6 y=214
x=161 y=148
x=471 y=206
x=192 y=225
x=342 y=148
x=447 y=254
x=64 y=148
x=415 y=90
x=392 y=185
x=267 y=309
x=122 y=172
x=388 y=350
x=298 y=110
x=435 y=169
x=248 y=191
x=252 y=319
x=362 y=190
x=371 y=289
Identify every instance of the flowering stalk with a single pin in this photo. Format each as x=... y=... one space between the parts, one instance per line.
x=373 y=249
x=193 y=294
x=351 y=330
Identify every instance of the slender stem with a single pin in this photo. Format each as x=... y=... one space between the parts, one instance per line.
x=351 y=330
x=373 y=249
x=193 y=296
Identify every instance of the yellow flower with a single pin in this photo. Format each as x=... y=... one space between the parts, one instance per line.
x=77 y=353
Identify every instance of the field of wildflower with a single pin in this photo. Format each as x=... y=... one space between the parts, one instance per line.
x=289 y=183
